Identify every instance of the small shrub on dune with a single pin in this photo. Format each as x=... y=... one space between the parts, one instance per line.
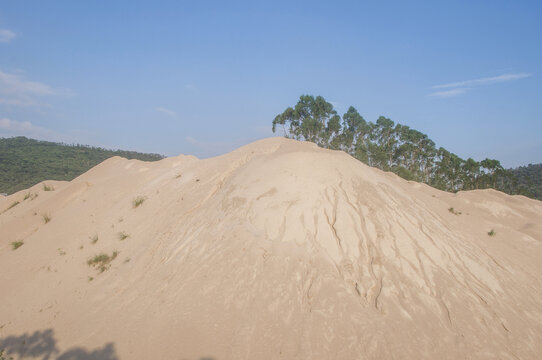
x=492 y=233
x=48 y=187
x=46 y=218
x=452 y=210
x=13 y=204
x=30 y=195
x=16 y=244
x=123 y=235
x=138 y=201
x=94 y=239
x=102 y=261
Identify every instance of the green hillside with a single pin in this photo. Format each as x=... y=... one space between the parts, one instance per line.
x=529 y=178
x=25 y=162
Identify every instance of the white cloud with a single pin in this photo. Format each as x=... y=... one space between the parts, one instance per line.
x=10 y=127
x=448 y=93
x=485 y=81
x=166 y=111
x=15 y=84
x=19 y=91
x=6 y=35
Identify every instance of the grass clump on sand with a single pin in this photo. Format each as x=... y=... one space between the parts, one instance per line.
x=16 y=244
x=2 y=357
x=123 y=235
x=31 y=196
x=492 y=233
x=94 y=239
x=138 y=201
x=452 y=210
x=102 y=261
x=13 y=204
x=46 y=218
x=47 y=187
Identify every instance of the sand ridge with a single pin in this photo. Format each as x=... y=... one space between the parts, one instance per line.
x=278 y=249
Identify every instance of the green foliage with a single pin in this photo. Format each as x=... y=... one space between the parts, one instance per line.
x=397 y=148
x=492 y=233
x=48 y=188
x=102 y=261
x=16 y=244
x=26 y=162
x=137 y=201
x=122 y=235
x=525 y=180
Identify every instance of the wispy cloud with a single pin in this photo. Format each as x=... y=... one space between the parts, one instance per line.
x=6 y=35
x=484 y=81
x=15 y=84
x=10 y=127
x=18 y=91
x=166 y=111
x=460 y=87
x=448 y=93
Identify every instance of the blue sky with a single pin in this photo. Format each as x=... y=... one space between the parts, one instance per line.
x=205 y=77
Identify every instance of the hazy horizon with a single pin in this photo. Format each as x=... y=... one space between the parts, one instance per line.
x=205 y=78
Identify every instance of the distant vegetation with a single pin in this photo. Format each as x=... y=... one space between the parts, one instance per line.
x=25 y=162
x=400 y=149
x=528 y=178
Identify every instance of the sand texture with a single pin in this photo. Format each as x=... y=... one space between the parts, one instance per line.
x=278 y=250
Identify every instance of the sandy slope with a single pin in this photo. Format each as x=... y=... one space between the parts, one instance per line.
x=276 y=250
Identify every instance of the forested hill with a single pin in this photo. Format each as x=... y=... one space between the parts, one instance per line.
x=398 y=148
x=530 y=178
x=25 y=162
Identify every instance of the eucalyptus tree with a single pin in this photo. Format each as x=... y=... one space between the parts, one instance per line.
x=312 y=119
x=471 y=174
x=393 y=147
x=493 y=170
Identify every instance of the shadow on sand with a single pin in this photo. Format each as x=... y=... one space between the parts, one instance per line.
x=42 y=345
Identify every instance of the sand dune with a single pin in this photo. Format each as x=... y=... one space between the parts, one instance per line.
x=276 y=250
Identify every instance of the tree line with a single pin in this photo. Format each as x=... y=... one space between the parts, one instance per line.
x=391 y=146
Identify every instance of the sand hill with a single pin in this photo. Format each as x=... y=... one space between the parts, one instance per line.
x=278 y=250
